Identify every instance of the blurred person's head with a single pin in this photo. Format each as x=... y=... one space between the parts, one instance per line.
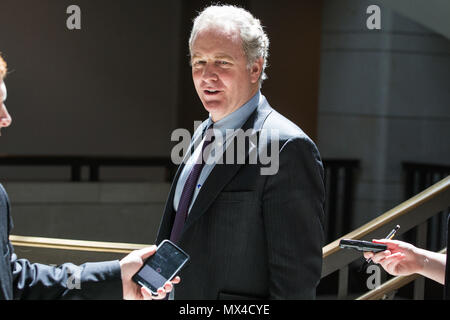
x=5 y=118
x=229 y=51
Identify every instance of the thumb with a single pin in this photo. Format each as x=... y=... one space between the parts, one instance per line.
x=146 y=252
x=146 y=294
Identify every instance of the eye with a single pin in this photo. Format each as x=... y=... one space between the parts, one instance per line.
x=197 y=63
x=223 y=63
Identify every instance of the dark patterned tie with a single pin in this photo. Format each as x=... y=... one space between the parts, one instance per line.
x=188 y=190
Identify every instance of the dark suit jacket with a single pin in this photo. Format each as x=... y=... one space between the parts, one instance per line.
x=20 y=279
x=254 y=236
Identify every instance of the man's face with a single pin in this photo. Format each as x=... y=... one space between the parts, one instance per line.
x=219 y=70
x=5 y=118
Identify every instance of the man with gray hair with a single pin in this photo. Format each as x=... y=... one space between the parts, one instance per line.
x=250 y=235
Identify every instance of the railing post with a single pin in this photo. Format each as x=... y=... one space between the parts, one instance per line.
x=332 y=203
x=94 y=173
x=348 y=194
x=343 y=283
x=75 y=173
x=419 y=284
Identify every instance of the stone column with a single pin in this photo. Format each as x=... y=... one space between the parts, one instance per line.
x=384 y=99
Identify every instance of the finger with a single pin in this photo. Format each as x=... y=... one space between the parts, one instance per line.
x=387 y=267
x=161 y=294
x=390 y=264
x=168 y=287
x=391 y=244
x=146 y=294
x=377 y=258
x=388 y=260
x=395 y=256
x=368 y=255
x=176 y=280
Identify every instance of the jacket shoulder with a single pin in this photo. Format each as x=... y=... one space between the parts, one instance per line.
x=284 y=128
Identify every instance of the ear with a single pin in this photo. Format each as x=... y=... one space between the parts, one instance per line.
x=256 y=69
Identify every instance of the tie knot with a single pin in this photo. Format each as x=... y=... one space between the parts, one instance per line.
x=209 y=134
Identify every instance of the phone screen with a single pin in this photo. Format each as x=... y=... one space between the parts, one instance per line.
x=162 y=266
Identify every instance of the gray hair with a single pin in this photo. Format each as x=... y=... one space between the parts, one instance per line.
x=255 y=42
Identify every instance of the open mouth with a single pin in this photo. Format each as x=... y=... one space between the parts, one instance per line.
x=211 y=92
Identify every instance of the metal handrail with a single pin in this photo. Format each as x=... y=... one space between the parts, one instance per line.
x=408 y=214
x=76 y=163
x=78 y=245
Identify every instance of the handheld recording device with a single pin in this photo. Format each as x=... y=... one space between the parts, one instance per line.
x=362 y=245
x=162 y=266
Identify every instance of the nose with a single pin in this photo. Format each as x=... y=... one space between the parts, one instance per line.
x=209 y=73
x=5 y=118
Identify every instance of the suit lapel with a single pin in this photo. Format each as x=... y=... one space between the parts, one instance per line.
x=223 y=173
x=169 y=212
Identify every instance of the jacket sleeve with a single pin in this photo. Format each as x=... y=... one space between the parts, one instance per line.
x=293 y=212
x=98 y=280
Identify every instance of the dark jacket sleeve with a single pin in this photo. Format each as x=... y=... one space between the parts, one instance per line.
x=99 y=280
x=293 y=210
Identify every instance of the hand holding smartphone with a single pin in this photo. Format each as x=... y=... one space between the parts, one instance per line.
x=161 y=267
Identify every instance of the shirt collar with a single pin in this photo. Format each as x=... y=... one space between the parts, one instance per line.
x=237 y=118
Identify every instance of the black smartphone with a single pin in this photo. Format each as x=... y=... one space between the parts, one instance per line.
x=361 y=245
x=163 y=265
